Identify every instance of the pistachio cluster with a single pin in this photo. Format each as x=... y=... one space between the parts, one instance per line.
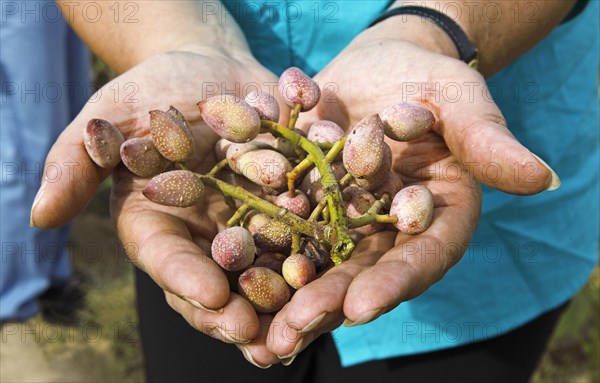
x=320 y=192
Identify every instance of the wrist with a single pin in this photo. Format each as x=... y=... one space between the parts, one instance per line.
x=237 y=53
x=416 y=30
x=159 y=27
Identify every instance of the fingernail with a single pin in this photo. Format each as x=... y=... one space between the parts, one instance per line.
x=231 y=339
x=37 y=199
x=250 y=359
x=293 y=353
x=364 y=318
x=314 y=323
x=555 y=181
x=197 y=305
x=288 y=361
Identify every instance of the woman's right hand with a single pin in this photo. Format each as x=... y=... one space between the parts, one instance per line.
x=171 y=244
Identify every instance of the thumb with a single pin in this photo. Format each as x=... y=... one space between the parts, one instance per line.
x=70 y=177
x=477 y=135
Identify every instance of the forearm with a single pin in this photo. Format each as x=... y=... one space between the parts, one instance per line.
x=501 y=30
x=154 y=27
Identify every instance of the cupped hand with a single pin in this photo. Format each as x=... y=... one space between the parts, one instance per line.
x=469 y=144
x=171 y=244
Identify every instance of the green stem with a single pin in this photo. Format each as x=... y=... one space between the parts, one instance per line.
x=230 y=203
x=314 y=216
x=295 y=242
x=292 y=176
x=294 y=116
x=297 y=224
x=346 y=180
x=342 y=243
x=366 y=219
x=381 y=203
x=324 y=146
x=372 y=215
x=220 y=165
x=326 y=216
x=217 y=168
x=384 y=218
x=238 y=215
x=335 y=149
x=182 y=165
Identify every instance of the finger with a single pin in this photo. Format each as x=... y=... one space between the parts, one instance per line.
x=256 y=351
x=237 y=323
x=476 y=133
x=69 y=181
x=70 y=177
x=160 y=244
x=169 y=256
x=416 y=261
x=317 y=307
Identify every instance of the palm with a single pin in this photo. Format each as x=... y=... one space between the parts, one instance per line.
x=170 y=244
x=390 y=267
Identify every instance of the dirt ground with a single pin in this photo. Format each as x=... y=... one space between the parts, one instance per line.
x=105 y=347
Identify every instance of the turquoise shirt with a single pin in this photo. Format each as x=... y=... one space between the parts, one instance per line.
x=529 y=254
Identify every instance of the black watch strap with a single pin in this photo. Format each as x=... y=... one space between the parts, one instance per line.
x=466 y=51
x=575 y=11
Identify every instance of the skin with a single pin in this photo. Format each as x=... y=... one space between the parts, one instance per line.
x=170 y=68
x=383 y=272
x=169 y=242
